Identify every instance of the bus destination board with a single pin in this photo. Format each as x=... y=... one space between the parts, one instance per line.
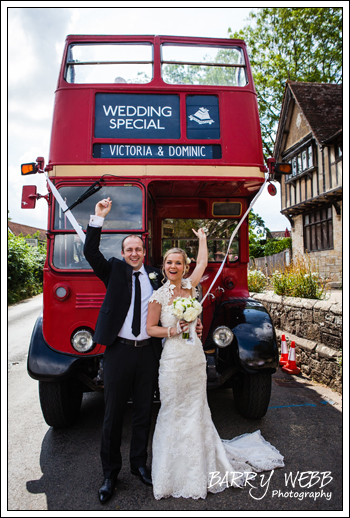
x=135 y=116
x=122 y=151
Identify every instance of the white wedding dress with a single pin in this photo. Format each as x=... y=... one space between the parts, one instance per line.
x=189 y=458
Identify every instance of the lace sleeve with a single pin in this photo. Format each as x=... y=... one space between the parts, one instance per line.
x=155 y=297
x=163 y=294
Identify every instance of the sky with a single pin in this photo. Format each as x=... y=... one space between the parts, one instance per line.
x=35 y=45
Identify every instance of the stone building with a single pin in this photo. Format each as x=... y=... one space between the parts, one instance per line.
x=309 y=136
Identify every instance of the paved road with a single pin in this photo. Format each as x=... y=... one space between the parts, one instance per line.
x=59 y=470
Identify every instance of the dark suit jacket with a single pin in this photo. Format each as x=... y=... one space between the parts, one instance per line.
x=117 y=277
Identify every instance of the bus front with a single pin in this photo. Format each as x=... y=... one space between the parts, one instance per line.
x=168 y=128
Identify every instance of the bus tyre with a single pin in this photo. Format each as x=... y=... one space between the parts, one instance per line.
x=60 y=402
x=252 y=394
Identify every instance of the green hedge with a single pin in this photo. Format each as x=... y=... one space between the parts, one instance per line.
x=270 y=247
x=24 y=269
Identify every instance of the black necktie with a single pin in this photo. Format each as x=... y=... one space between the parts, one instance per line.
x=136 y=321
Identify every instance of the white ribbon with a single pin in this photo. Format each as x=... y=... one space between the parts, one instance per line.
x=233 y=235
x=64 y=207
x=191 y=333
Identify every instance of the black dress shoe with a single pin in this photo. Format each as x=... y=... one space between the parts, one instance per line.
x=144 y=474
x=106 y=490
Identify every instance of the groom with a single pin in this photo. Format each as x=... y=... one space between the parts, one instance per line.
x=131 y=358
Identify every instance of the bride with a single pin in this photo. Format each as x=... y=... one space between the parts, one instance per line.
x=189 y=458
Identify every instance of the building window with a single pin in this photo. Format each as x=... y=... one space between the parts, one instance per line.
x=309 y=154
x=301 y=162
x=338 y=150
x=318 y=229
x=304 y=160
x=300 y=166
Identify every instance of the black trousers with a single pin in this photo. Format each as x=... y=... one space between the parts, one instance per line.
x=127 y=370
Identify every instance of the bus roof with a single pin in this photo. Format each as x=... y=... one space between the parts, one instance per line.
x=148 y=37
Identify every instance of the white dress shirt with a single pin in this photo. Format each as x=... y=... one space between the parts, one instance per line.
x=146 y=292
x=96 y=221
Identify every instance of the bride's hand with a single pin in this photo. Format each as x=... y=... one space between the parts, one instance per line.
x=181 y=327
x=199 y=328
x=200 y=233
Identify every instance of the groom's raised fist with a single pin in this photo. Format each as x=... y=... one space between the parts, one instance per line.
x=103 y=207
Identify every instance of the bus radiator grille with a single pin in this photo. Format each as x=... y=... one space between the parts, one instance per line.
x=89 y=300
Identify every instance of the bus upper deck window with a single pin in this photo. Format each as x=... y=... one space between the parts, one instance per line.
x=106 y=63
x=197 y=65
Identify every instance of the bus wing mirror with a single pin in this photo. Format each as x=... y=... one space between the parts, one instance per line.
x=29 y=197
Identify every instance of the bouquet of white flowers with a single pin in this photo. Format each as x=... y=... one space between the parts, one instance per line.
x=187 y=309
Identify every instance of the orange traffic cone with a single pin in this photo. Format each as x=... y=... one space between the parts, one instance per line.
x=291 y=366
x=284 y=351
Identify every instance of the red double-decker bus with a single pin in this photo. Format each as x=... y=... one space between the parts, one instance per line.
x=168 y=128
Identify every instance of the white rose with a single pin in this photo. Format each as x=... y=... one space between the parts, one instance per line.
x=190 y=314
x=152 y=276
x=178 y=310
x=178 y=314
x=197 y=306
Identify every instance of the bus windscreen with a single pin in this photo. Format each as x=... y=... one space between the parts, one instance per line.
x=126 y=212
x=178 y=233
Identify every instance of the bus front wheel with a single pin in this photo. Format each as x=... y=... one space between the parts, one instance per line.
x=252 y=394
x=60 y=402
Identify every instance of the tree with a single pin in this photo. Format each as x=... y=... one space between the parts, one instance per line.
x=257 y=228
x=297 y=44
x=258 y=232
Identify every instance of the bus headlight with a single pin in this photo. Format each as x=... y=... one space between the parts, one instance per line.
x=222 y=336
x=82 y=341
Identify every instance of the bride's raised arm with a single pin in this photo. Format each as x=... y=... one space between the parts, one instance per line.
x=202 y=258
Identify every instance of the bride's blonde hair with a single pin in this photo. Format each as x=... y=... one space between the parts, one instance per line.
x=185 y=258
